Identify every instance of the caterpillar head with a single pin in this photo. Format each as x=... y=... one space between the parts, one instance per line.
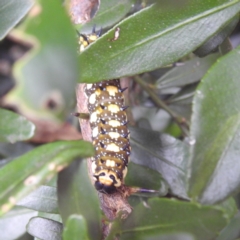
x=107 y=180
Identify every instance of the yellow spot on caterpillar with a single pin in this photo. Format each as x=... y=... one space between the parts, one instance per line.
x=93 y=117
x=105 y=180
x=125 y=172
x=89 y=86
x=113 y=108
x=112 y=147
x=110 y=163
x=98 y=91
x=112 y=90
x=95 y=132
x=94 y=166
x=114 y=135
x=114 y=123
x=92 y=98
x=92 y=38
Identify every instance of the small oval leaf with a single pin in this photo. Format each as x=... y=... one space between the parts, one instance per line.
x=76 y=228
x=44 y=228
x=215 y=130
x=14 y=127
x=154 y=37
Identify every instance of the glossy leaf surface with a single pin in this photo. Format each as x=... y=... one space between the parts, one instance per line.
x=162 y=153
x=14 y=127
x=76 y=228
x=165 y=216
x=48 y=73
x=45 y=228
x=77 y=195
x=43 y=199
x=215 y=132
x=155 y=37
x=24 y=174
x=13 y=224
x=11 y=12
x=109 y=13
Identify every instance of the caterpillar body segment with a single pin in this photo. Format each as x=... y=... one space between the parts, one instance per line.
x=110 y=135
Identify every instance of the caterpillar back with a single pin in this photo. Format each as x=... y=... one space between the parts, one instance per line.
x=110 y=136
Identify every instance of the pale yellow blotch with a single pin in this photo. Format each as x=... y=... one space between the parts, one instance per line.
x=94 y=166
x=112 y=90
x=112 y=147
x=92 y=98
x=12 y=200
x=5 y=208
x=31 y=180
x=51 y=166
x=118 y=183
x=95 y=132
x=114 y=123
x=93 y=117
x=114 y=135
x=81 y=48
x=125 y=172
x=113 y=108
x=110 y=163
x=98 y=91
x=92 y=38
x=105 y=180
x=89 y=86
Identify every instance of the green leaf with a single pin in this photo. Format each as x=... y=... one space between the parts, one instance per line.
x=161 y=153
x=48 y=73
x=154 y=37
x=215 y=132
x=190 y=72
x=43 y=199
x=11 y=12
x=213 y=43
x=76 y=228
x=168 y=216
x=14 y=127
x=45 y=228
x=26 y=173
x=13 y=224
x=77 y=195
x=143 y=177
x=231 y=231
x=109 y=13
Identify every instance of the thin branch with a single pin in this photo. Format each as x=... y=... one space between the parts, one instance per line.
x=181 y=121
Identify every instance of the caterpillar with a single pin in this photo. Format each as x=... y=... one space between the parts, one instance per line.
x=110 y=135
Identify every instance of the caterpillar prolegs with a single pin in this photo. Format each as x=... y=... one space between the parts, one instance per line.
x=110 y=135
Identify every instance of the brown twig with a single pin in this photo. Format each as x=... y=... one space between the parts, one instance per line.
x=112 y=204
